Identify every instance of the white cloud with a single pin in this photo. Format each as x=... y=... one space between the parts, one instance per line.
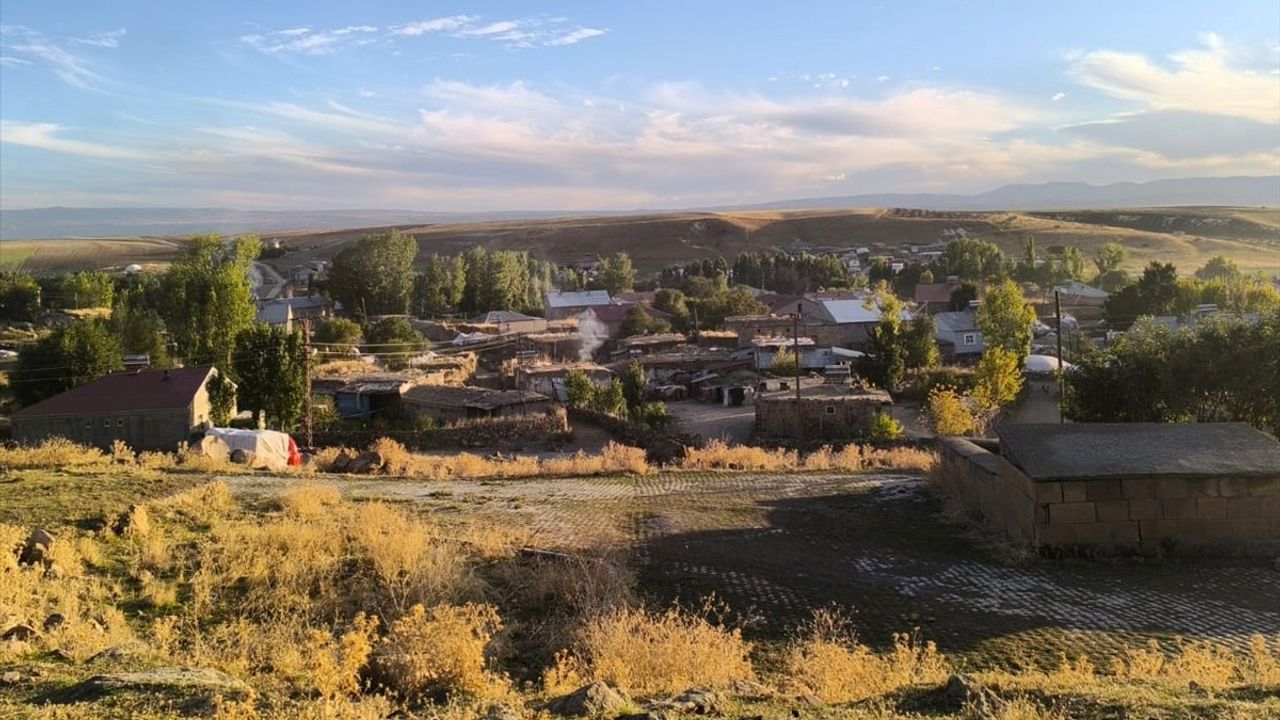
x=106 y=39
x=435 y=25
x=47 y=136
x=23 y=45
x=495 y=28
x=1202 y=80
x=1058 y=96
x=12 y=62
x=575 y=36
x=305 y=41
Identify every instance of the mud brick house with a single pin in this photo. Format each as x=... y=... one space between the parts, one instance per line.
x=827 y=412
x=147 y=409
x=1206 y=488
x=450 y=404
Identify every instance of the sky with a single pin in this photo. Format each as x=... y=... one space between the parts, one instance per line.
x=616 y=105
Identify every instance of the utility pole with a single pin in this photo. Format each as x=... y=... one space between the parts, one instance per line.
x=1062 y=376
x=306 y=395
x=795 y=339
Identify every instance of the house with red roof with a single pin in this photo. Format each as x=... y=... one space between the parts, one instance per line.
x=147 y=409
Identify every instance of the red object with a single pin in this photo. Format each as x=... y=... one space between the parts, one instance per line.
x=295 y=457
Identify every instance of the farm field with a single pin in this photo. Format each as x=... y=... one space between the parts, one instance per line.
x=72 y=254
x=1187 y=237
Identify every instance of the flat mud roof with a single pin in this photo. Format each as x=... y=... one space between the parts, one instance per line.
x=1078 y=451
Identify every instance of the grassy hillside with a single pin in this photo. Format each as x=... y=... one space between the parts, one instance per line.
x=1185 y=236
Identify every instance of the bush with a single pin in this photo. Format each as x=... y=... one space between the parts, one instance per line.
x=885 y=427
x=950 y=413
x=650 y=653
x=828 y=662
x=441 y=652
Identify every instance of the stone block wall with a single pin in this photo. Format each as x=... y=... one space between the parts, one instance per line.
x=993 y=490
x=1213 y=515
x=1230 y=516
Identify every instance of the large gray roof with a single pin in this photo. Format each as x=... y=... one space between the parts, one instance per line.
x=1078 y=451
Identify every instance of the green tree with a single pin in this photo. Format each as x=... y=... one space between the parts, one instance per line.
x=19 y=297
x=1158 y=288
x=974 y=259
x=610 y=399
x=394 y=341
x=271 y=365
x=63 y=359
x=886 y=365
x=441 y=285
x=578 y=389
x=615 y=273
x=634 y=383
x=672 y=302
x=785 y=363
x=1125 y=382
x=998 y=378
x=1218 y=268
x=920 y=342
x=1109 y=257
x=138 y=325
x=961 y=296
x=89 y=289
x=1006 y=319
x=336 y=336
x=1072 y=263
x=374 y=276
x=208 y=298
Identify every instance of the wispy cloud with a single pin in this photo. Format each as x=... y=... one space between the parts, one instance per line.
x=1057 y=96
x=1201 y=80
x=24 y=46
x=106 y=39
x=49 y=136
x=434 y=25
x=305 y=41
x=518 y=33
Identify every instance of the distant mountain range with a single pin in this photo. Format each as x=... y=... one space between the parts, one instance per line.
x=1225 y=191
x=57 y=222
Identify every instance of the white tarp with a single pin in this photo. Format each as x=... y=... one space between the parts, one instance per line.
x=1043 y=364
x=270 y=448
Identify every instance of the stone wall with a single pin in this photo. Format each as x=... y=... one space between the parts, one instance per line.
x=999 y=496
x=1209 y=515
x=506 y=432
x=826 y=418
x=1221 y=516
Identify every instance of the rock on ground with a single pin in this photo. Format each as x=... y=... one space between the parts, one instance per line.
x=594 y=700
x=36 y=548
x=240 y=456
x=187 y=680
x=214 y=448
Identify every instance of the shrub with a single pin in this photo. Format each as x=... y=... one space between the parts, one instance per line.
x=949 y=413
x=885 y=427
x=442 y=651
x=52 y=452
x=309 y=501
x=650 y=653
x=827 y=661
x=719 y=456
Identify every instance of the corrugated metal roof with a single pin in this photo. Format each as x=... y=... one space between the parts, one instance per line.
x=848 y=311
x=578 y=298
x=960 y=321
x=126 y=392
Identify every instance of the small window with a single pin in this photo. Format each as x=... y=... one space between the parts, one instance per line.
x=970 y=338
x=831 y=409
x=119 y=422
x=106 y=423
x=88 y=424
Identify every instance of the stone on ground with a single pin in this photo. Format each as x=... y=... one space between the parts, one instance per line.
x=594 y=700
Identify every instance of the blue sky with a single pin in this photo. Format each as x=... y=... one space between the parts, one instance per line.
x=595 y=105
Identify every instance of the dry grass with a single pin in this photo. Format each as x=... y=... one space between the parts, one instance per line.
x=718 y=455
x=442 y=651
x=651 y=653
x=53 y=452
x=1206 y=665
x=827 y=662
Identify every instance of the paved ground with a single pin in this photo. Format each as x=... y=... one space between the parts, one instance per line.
x=777 y=546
